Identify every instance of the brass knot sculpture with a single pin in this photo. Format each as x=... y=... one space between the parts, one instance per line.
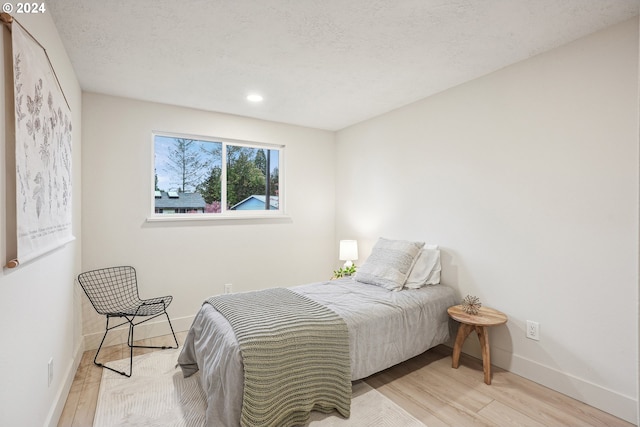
x=471 y=304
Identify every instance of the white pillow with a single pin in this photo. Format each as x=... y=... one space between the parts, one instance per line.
x=426 y=270
x=389 y=264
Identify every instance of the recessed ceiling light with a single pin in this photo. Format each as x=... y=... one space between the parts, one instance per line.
x=254 y=97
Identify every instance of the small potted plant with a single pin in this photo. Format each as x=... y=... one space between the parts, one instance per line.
x=344 y=272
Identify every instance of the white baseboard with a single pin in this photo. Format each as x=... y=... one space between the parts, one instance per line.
x=621 y=406
x=63 y=392
x=155 y=328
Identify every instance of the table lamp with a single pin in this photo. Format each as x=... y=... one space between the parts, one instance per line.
x=348 y=252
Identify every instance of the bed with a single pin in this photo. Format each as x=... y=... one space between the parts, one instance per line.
x=386 y=325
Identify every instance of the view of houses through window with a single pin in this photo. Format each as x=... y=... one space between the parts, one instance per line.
x=192 y=178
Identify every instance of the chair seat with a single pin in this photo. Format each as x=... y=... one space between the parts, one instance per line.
x=147 y=307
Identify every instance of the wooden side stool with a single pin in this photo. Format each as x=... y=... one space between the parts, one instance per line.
x=479 y=322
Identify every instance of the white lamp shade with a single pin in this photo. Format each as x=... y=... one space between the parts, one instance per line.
x=348 y=250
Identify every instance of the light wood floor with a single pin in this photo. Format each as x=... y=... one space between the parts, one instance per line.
x=425 y=386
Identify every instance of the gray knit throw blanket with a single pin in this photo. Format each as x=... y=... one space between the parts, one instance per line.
x=295 y=353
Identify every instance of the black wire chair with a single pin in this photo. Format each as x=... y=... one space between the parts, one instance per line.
x=113 y=292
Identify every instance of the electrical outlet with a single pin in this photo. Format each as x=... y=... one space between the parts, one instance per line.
x=50 y=372
x=228 y=288
x=533 y=330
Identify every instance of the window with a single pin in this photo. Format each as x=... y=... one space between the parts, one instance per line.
x=190 y=177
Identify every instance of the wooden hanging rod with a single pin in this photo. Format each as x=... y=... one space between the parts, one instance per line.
x=6 y=18
x=12 y=263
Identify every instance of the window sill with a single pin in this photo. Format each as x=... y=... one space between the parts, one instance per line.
x=252 y=218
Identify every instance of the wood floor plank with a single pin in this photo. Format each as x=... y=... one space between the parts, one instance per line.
x=454 y=412
x=502 y=415
x=69 y=410
x=430 y=399
x=425 y=386
x=425 y=407
x=87 y=403
x=450 y=389
x=551 y=408
x=556 y=407
x=404 y=398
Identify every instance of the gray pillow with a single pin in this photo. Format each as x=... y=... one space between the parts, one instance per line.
x=389 y=263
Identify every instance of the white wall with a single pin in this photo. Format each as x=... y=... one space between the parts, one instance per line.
x=528 y=179
x=39 y=303
x=192 y=261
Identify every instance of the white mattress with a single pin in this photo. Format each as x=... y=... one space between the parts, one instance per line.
x=385 y=328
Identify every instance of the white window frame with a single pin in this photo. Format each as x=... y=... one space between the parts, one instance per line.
x=225 y=214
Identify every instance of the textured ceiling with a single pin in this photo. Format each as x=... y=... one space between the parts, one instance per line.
x=320 y=63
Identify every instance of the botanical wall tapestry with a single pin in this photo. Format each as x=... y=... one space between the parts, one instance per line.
x=43 y=151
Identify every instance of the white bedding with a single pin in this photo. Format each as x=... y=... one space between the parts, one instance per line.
x=385 y=328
